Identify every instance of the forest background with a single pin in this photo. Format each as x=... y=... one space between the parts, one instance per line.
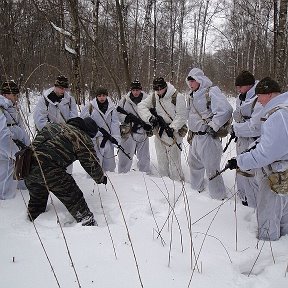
x=113 y=42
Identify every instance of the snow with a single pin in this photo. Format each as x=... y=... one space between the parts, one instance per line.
x=69 y=49
x=62 y=31
x=103 y=257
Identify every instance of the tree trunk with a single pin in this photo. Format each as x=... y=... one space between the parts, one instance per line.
x=76 y=58
x=281 y=70
x=123 y=44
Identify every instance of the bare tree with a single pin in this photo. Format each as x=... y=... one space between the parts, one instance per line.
x=281 y=45
x=123 y=44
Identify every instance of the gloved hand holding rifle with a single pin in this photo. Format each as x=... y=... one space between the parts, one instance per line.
x=231 y=164
x=131 y=118
x=107 y=136
x=163 y=126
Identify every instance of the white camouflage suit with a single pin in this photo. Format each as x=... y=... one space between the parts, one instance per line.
x=270 y=152
x=205 y=151
x=110 y=122
x=137 y=142
x=55 y=112
x=168 y=153
x=11 y=127
x=247 y=127
x=47 y=111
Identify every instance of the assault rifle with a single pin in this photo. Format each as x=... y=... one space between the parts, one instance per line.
x=163 y=126
x=137 y=121
x=107 y=136
x=219 y=172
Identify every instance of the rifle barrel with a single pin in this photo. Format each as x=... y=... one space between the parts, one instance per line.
x=218 y=173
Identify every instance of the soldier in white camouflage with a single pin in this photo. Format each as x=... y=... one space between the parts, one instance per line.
x=57 y=146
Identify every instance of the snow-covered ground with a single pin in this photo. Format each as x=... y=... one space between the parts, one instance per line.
x=152 y=232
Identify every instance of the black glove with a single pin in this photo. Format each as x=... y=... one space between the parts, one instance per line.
x=210 y=131
x=232 y=164
x=170 y=132
x=129 y=118
x=232 y=133
x=104 y=180
x=147 y=127
x=153 y=120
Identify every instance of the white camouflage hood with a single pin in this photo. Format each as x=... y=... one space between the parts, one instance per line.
x=199 y=76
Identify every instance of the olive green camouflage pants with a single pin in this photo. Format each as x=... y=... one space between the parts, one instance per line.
x=62 y=185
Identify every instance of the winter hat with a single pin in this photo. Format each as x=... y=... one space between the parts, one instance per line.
x=100 y=91
x=88 y=125
x=136 y=85
x=267 y=85
x=61 y=81
x=91 y=127
x=9 y=87
x=159 y=83
x=244 y=78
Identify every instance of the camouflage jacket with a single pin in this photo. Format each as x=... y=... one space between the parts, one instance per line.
x=62 y=144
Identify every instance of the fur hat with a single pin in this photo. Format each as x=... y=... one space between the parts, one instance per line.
x=9 y=87
x=159 y=83
x=135 y=85
x=61 y=81
x=267 y=85
x=100 y=91
x=244 y=78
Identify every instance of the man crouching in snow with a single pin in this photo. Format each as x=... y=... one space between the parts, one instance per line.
x=55 y=147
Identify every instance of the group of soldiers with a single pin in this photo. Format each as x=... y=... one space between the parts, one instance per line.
x=259 y=128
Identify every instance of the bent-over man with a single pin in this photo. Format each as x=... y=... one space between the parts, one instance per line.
x=56 y=147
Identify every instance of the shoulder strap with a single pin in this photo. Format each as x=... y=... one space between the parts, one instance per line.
x=15 y=121
x=208 y=106
x=124 y=102
x=46 y=103
x=153 y=100
x=208 y=100
x=90 y=110
x=253 y=104
x=174 y=97
x=273 y=110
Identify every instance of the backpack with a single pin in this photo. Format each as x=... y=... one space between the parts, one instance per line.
x=23 y=163
x=223 y=130
x=278 y=181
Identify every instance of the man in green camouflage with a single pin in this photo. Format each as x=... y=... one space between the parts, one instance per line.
x=55 y=147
